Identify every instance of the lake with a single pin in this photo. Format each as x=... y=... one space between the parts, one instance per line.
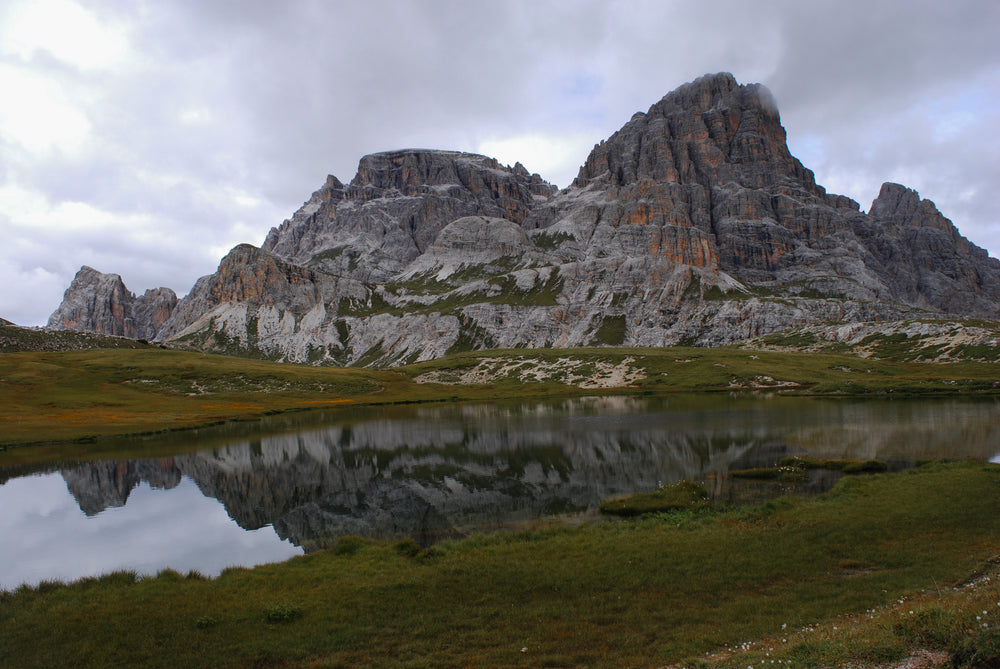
x=250 y=493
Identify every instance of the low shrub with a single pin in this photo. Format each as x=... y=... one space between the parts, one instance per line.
x=979 y=649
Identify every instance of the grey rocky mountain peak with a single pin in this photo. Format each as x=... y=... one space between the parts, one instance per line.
x=100 y=303
x=693 y=224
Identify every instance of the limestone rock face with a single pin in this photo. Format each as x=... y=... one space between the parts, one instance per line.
x=705 y=179
x=100 y=303
x=151 y=310
x=394 y=208
x=259 y=302
x=925 y=259
x=693 y=224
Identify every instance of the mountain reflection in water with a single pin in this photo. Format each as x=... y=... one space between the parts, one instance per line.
x=431 y=472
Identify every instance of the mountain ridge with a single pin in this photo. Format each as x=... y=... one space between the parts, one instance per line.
x=692 y=224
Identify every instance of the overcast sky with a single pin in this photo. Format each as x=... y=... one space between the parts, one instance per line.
x=147 y=138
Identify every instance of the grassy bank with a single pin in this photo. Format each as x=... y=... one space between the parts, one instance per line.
x=642 y=592
x=86 y=394
x=82 y=395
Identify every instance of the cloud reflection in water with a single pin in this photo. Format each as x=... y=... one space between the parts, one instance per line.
x=180 y=527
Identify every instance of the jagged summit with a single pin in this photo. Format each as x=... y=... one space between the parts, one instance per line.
x=692 y=224
x=408 y=170
x=709 y=132
x=396 y=205
x=100 y=303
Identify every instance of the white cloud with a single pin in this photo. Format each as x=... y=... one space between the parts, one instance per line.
x=31 y=293
x=30 y=209
x=556 y=157
x=178 y=528
x=37 y=114
x=63 y=30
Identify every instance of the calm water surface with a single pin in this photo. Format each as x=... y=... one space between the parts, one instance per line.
x=247 y=494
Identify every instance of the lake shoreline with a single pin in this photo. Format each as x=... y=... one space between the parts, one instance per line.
x=433 y=472
x=79 y=398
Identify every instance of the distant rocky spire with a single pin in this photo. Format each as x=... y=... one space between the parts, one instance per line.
x=100 y=303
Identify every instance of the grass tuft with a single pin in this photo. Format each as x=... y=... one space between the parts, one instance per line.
x=276 y=614
x=407 y=547
x=205 y=622
x=671 y=497
x=349 y=545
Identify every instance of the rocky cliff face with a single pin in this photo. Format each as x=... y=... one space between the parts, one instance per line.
x=395 y=207
x=924 y=260
x=100 y=303
x=693 y=224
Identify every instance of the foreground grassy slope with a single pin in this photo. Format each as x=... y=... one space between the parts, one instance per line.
x=79 y=395
x=645 y=592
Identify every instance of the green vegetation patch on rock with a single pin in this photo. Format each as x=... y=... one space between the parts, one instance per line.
x=611 y=332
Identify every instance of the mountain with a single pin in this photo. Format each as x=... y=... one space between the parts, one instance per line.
x=100 y=303
x=693 y=224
